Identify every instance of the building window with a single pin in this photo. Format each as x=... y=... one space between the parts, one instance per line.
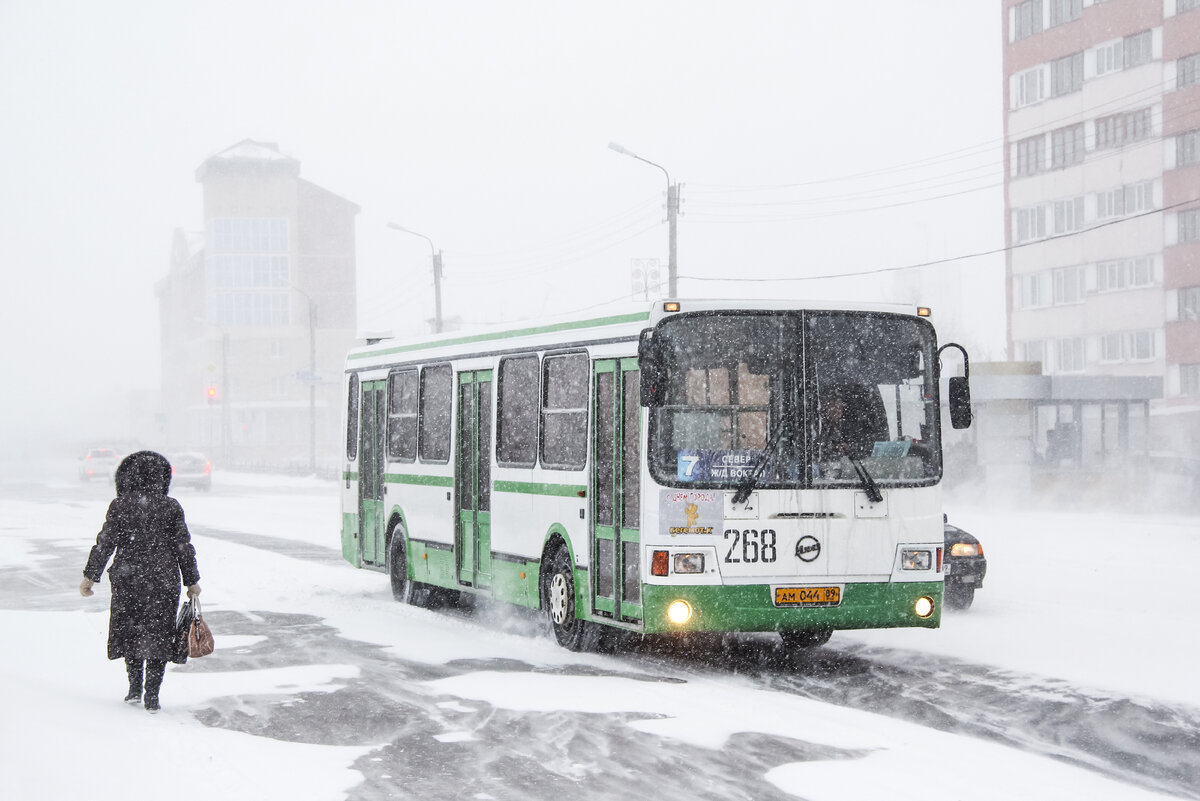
x=1028 y=87
x=1186 y=5
x=1189 y=379
x=1064 y=11
x=1026 y=19
x=1029 y=156
x=402 y=416
x=1068 y=215
x=1029 y=223
x=251 y=309
x=1032 y=291
x=248 y=234
x=1139 y=49
x=517 y=413
x=437 y=400
x=1127 y=346
x=1189 y=226
x=1117 y=129
x=1031 y=350
x=1070 y=354
x=1067 y=146
x=564 y=411
x=1068 y=285
x=1112 y=276
x=1187 y=148
x=1128 y=199
x=1066 y=74
x=1108 y=58
x=1187 y=71
x=1189 y=303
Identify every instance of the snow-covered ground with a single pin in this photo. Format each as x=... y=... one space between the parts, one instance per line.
x=1098 y=601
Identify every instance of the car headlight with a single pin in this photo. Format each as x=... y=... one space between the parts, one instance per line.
x=965 y=549
x=916 y=560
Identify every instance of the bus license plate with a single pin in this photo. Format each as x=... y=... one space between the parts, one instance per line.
x=808 y=596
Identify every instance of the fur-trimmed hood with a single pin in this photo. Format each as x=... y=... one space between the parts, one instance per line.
x=144 y=472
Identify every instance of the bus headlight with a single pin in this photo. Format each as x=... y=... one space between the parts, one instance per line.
x=923 y=607
x=689 y=563
x=679 y=612
x=915 y=560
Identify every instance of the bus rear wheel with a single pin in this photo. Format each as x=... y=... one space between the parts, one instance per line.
x=558 y=599
x=805 y=639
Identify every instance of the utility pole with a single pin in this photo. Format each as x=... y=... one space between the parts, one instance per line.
x=437 y=275
x=312 y=386
x=672 y=218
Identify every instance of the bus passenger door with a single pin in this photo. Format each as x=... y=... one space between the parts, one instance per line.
x=616 y=491
x=371 y=509
x=473 y=479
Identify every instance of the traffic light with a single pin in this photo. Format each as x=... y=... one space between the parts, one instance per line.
x=211 y=393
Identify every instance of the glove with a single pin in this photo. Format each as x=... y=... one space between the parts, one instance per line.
x=193 y=591
x=85 y=587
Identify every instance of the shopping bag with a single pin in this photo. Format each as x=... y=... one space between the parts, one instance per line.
x=183 y=628
x=200 y=638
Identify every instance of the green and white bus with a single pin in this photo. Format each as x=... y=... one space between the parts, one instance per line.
x=730 y=466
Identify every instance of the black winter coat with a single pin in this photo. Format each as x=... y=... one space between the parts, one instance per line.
x=153 y=552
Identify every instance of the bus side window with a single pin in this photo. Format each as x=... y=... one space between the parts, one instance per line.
x=402 y=416
x=517 y=412
x=437 y=398
x=565 y=411
x=352 y=419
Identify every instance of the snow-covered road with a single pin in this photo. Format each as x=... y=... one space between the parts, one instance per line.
x=1069 y=678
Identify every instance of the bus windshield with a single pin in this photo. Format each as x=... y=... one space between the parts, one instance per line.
x=797 y=400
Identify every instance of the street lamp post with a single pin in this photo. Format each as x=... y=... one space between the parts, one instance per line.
x=437 y=275
x=672 y=218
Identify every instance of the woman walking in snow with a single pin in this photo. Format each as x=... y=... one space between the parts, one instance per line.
x=153 y=552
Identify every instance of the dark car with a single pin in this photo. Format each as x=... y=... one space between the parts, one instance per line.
x=191 y=469
x=964 y=568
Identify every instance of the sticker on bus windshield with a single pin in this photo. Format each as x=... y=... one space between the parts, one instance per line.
x=891 y=450
x=690 y=511
x=717 y=465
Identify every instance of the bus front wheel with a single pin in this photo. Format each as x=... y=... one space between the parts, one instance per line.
x=402 y=586
x=558 y=599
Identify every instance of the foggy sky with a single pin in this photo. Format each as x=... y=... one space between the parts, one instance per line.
x=485 y=126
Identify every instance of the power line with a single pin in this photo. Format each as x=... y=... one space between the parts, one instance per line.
x=1006 y=249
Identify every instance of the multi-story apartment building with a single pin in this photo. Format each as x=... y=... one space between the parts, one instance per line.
x=1102 y=190
x=257 y=313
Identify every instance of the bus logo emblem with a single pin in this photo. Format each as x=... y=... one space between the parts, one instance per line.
x=808 y=548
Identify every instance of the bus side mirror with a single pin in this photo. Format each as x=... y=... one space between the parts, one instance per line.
x=960 y=402
x=653 y=374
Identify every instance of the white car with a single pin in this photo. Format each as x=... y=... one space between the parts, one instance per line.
x=98 y=463
x=191 y=469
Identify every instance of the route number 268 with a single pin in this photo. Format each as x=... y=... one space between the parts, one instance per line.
x=756 y=546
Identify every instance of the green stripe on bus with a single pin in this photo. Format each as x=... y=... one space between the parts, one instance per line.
x=519 y=332
x=534 y=488
x=426 y=481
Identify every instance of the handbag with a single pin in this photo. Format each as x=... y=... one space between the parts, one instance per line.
x=200 y=638
x=183 y=628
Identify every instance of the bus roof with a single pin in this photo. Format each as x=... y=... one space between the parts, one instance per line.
x=614 y=324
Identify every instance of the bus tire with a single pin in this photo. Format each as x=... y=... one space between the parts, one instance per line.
x=397 y=557
x=810 y=638
x=558 y=599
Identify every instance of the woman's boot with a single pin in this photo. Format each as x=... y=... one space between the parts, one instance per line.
x=154 y=677
x=133 y=668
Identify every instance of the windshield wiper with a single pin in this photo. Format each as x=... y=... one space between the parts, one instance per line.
x=743 y=493
x=873 y=493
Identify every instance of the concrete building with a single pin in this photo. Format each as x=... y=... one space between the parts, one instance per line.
x=257 y=313
x=1102 y=196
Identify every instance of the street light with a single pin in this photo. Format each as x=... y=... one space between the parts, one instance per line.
x=437 y=275
x=672 y=217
